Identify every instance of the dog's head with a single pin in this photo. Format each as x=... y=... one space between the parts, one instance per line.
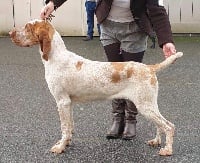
x=34 y=32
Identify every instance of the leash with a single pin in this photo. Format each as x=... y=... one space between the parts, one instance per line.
x=51 y=16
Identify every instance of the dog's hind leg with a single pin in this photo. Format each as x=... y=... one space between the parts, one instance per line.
x=169 y=129
x=146 y=104
x=152 y=113
x=157 y=140
x=64 y=109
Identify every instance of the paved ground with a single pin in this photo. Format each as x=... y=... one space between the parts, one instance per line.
x=29 y=122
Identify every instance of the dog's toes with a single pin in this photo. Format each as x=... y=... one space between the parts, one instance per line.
x=165 y=152
x=153 y=143
x=57 y=148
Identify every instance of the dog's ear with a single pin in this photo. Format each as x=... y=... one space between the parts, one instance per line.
x=44 y=31
x=45 y=43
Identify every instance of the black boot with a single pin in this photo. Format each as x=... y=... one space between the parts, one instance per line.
x=130 y=121
x=117 y=127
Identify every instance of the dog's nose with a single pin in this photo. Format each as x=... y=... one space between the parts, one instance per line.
x=12 y=33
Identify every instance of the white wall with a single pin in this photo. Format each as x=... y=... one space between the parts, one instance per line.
x=70 y=18
x=184 y=15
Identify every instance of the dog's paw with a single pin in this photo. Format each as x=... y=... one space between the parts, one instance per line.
x=165 y=152
x=154 y=143
x=58 y=148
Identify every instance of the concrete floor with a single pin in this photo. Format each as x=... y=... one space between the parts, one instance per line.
x=29 y=122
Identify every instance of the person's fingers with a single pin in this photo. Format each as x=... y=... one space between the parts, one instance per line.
x=169 y=49
x=47 y=10
x=42 y=14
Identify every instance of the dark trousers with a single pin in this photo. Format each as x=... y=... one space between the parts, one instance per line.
x=90 y=9
x=115 y=54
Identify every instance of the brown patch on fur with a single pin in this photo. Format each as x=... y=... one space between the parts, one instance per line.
x=37 y=32
x=129 y=72
x=118 y=67
x=153 y=80
x=115 y=77
x=142 y=74
x=79 y=65
x=153 y=69
x=44 y=31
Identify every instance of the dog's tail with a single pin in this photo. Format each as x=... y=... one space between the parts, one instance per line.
x=167 y=61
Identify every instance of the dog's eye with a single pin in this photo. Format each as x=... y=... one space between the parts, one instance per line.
x=28 y=28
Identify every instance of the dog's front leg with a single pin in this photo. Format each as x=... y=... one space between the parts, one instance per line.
x=64 y=108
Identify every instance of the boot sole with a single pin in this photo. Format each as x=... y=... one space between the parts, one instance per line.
x=113 y=137
x=128 y=138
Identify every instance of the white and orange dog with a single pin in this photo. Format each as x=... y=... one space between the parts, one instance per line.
x=72 y=78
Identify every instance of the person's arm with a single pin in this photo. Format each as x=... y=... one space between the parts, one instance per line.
x=50 y=6
x=161 y=25
x=57 y=3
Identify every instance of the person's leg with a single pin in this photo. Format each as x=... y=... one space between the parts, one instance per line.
x=117 y=128
x=90 y=9
x=98 y=26
x=113 y=52
x=137 y=57
x=133 y=44
x=118 y=105
x=130 y=109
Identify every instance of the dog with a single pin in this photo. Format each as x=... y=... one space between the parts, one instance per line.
x=72 y=78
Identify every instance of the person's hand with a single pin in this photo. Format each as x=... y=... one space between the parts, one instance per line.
x=169 y=49
x=47 y=10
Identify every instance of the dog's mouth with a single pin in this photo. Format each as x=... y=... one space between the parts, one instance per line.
x=19 y=38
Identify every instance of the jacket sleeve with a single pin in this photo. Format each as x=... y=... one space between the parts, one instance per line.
x=57 y=3
x=160 y=21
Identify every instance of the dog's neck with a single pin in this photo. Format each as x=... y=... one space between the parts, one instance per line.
x=59 y=51
x=57 y=44
x=57 y=48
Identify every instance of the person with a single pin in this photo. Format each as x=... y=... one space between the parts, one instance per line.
x=125 y=26
x=90 y=6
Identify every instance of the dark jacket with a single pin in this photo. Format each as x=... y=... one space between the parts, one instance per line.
x=57 y=3
x=147 y=14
